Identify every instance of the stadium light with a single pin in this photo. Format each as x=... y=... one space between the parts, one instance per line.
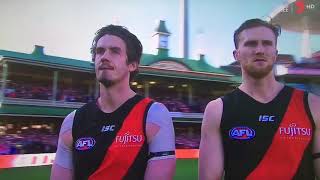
x=134 y=83
x=24 y=128
x=152 y=82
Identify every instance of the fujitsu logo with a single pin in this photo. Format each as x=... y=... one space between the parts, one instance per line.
x=129 y=138
x=294 y=130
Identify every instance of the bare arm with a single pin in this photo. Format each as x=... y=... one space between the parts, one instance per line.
x=58 y=172
x=163 y=169
x=160 y=135
x=314 y=104
x=211 y=149
x=62 y=166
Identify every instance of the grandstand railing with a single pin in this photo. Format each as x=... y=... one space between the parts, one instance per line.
x=39 y=102
x=186 y=115
x=50 y=103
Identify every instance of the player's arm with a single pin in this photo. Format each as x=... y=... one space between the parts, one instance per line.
x=314 y=104
x=160 y=135
x=62 y=165
x=211 y=149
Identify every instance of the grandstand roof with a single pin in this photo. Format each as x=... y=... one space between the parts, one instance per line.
x=192 y=64
x=39 y=57
x=194 y=67
x=298 y=16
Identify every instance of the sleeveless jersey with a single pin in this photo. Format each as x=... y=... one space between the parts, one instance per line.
x=111 y=145
x=267 y=140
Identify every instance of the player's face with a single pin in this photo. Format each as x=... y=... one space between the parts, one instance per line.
x=111 y=61
x=256 y=51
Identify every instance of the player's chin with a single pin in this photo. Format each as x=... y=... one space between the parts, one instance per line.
x=106 y=82
x=260 y=73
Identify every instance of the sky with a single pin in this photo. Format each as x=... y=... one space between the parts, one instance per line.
x=66 y=27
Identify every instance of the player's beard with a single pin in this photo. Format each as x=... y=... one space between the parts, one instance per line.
x=258 y=73
x=109 y=82
x=106 y=82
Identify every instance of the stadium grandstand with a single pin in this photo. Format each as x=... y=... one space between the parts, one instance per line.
x=39 y=90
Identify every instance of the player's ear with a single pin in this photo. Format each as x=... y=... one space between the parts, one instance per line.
x=235 y=54
x=133 y=66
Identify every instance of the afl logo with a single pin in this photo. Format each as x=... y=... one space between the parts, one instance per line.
x=86 y=143
x=242 y=133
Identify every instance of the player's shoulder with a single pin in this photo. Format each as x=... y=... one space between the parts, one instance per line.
x=67 y=122
x=213 y=105
x=314 y=104
x=159 y=114
x=213 y=113
x=157 y=109
x=158 y=106
x=87 y=107
x=314 y=97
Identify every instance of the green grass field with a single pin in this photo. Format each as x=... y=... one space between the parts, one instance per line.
x=187 y=169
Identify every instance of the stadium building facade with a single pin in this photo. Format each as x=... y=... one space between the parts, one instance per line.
x=39 y=90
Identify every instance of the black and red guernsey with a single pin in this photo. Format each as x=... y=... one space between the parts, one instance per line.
x=267 y=140
x=111 y=145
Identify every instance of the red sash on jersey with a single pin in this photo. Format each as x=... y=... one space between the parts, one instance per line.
x=125 y=147
x=283 y=157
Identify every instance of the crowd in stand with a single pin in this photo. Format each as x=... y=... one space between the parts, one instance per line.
x=187 y=137
x=27 y=139
x=181 y=105
x=71 y=95
x=28 y=91
x=43 y=139
x=33 y=139
x=44 y=92
x=184 y=141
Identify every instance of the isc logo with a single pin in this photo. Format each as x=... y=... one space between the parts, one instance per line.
x=266 y=118
x=242 y=133
x=85 y=143
x=107 y=128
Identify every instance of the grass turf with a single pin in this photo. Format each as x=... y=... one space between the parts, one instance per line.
x=187 y=169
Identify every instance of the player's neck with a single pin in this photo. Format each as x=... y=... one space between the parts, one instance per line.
x=113 y=97
x=263 y=90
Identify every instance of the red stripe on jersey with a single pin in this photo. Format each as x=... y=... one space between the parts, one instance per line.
x=125 y=147
x=283 y=157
